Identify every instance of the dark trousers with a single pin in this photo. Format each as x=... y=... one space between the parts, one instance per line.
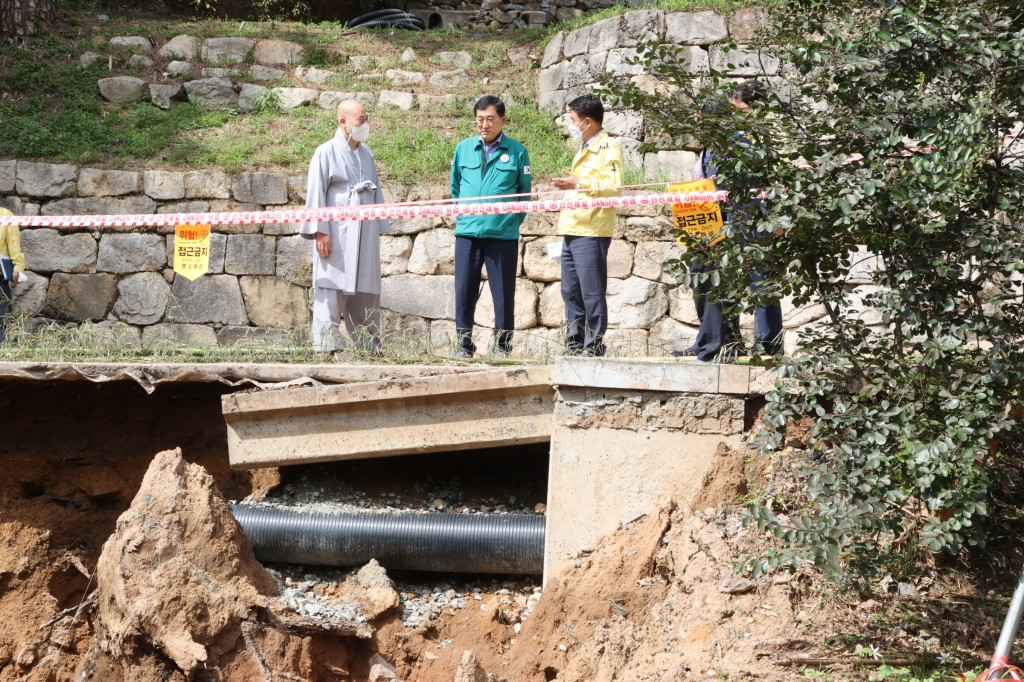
x=720 y=331
x=5 y=307
x=501 y=258
x=584 y=291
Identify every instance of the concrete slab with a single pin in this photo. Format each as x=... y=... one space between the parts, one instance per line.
x=232 y=373
x=629 y=437
x=488 y=408
x=734 y=379
x=602 y=478
x=653 y=374
x=637 y=375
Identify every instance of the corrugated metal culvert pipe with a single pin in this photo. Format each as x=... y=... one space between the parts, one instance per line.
x=449 y=543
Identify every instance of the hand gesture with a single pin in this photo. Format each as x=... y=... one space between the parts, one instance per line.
x=570 y=181
x=323 y=244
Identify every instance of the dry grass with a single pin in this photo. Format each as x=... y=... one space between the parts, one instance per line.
x=37 y=340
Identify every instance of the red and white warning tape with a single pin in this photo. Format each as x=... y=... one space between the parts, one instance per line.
x=429 y=209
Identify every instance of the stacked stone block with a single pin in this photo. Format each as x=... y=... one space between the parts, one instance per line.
x=259 y=277
x=574 y=63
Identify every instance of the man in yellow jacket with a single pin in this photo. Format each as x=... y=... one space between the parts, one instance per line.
x=12 y=270
x=587 y=233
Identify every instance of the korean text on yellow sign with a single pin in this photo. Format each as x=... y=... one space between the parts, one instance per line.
x=192 y=250
x=698 y=218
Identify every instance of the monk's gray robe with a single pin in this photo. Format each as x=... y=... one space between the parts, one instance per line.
x=342 y=176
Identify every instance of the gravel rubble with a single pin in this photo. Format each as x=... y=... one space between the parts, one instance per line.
x=303 y=587
x=339 y=498
x=510 y=481
x=424 y=604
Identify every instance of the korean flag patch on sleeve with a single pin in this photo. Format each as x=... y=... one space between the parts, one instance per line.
x=526 y=170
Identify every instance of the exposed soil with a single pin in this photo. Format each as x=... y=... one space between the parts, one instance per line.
x=177 y=594
x=72 y=457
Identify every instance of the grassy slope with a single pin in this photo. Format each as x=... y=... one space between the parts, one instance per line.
x=51 y=109
x=78 y=126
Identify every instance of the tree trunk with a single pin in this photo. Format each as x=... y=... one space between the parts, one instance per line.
x=18 y=18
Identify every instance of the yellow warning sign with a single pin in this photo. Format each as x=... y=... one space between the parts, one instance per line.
x=192 y=250
x=698 y=218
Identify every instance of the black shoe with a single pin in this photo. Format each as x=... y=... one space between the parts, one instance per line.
x=463 y=352
x=684 y=353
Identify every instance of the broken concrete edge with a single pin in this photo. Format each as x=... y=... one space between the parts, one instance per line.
x=608 y=465
x=245 y=456
x=433 y=384
x=670 y=376
x=487 y=409
x=149 y=375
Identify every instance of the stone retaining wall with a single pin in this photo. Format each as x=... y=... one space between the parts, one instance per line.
x=574 y=63
x=502 y=14
x=260 y=275
x=243 y=74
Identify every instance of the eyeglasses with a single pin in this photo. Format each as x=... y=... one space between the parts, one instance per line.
x=360 y=120
x=481 y=120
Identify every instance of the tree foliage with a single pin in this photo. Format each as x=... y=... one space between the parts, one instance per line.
x=889 y=152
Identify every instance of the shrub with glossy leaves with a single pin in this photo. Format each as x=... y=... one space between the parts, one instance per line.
x=888 y=152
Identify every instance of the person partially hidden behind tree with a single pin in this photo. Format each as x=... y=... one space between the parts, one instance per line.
x=12 y=264
x=719 y=333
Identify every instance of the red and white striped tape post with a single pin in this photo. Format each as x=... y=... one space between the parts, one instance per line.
x=366 y=212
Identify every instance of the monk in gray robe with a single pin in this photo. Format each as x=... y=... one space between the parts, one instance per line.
x=346 y=264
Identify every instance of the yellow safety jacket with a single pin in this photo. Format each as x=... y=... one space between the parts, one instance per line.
x=599 y=166
x=10 y=243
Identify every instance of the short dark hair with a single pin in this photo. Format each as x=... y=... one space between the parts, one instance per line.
x=713 y=106
x=488 y=101
x=588 y=106
x=749 y=91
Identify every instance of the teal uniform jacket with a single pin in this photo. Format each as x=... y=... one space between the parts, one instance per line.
x=507 y=172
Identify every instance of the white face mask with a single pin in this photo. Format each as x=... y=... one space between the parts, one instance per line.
x=575 y=133
x=360 y=133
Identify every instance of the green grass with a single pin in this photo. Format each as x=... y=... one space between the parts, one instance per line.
x=56 y=112
x=264 y=139
x=884 y=673
x=53 y=110
x=412 y=151
x=89 y=342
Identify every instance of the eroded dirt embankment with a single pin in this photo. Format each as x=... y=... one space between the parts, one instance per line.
x=74 y=460
x=177 y=595
x=72 y=456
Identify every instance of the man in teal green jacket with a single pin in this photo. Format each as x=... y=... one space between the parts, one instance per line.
x=488 y=165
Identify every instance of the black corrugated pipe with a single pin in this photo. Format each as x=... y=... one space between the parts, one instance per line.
x=352 y=23
x=408 y=24
x=387 y=17
x=449 y=543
